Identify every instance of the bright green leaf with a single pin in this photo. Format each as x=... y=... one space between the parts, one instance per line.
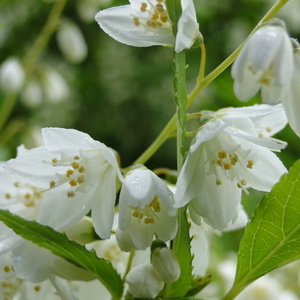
x=181 y=247
x=59 y=244
x=272 y=238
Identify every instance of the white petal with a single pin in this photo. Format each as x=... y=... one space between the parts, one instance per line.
x=66 y=138
x=60 y=211
x=291 y=102
x=267 y=168
x=137 y=189
x=31 y=262
x=217 y=204
x=118 y=23
x=144 y=282
x=103 y=204
x=188 y=28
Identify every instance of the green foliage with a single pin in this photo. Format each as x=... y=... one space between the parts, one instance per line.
x=59 y=244
x=181 y=248
x=272 y=239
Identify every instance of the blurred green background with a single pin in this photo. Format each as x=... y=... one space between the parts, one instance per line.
x=121 y=95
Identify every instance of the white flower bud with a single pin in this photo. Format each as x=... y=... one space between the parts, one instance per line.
x=11 y=76
x=71 y=42
x=144 y=282
x=165 y=263
x=55 y=87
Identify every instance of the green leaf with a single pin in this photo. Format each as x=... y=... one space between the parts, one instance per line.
x=181 y=247
x=59 y=245
x=272 y=238
x=197 y=285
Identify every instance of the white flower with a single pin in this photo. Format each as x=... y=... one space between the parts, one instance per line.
x=146 y=208
x=222 y=161
x=77 y=173
x=144 y=282
x=71 y=42
x=147 y=23
x=12 y=75
x=266 y=63
x=291 y=102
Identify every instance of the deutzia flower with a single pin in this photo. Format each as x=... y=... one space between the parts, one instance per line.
x=146 y=208
x=265 y=63
x=147 y=23
x=222 y=161
x=291 y=102
x=77 y=173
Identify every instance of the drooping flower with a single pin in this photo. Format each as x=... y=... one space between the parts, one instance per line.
x=265 y=63
x=291 y=102
x=77 y=174
x=222 y=161
x=146 y=208
x=147 y=23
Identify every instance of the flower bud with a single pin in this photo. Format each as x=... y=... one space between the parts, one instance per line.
x=144 y=282
x=11 y=75
x=165 y=263
x=71 y=42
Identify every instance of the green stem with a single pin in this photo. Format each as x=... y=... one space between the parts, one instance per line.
x=201 y=84
x=32 y=56
x=181 y=100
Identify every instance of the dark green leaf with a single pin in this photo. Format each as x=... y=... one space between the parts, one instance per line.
x=59 y=244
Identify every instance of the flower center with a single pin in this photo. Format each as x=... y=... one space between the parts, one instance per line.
x=232 y=165
x=152 y=14
x=148 y=214
x=75 y=175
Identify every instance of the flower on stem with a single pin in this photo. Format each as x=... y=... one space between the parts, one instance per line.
x=147 y=23
x=222 y=161
x=146 y=208
x=77 y=174
x=265 y=63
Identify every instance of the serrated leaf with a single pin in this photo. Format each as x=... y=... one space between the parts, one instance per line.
x=272 y=238
x=60 y=245
x=181 y=247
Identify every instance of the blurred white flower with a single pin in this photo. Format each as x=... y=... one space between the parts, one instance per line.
x=55 y=87
x=222 y=161
x=146 y=209
x=32 y=94
x=77 y=173
x=291 y=102
x=147 y=23
x=12 y=75
x=144 y=281
x=265 y=63
x=71 y=41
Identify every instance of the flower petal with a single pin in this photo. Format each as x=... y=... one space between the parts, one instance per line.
x=118 y=23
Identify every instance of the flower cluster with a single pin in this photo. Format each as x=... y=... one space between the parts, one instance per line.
x=71 y=174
